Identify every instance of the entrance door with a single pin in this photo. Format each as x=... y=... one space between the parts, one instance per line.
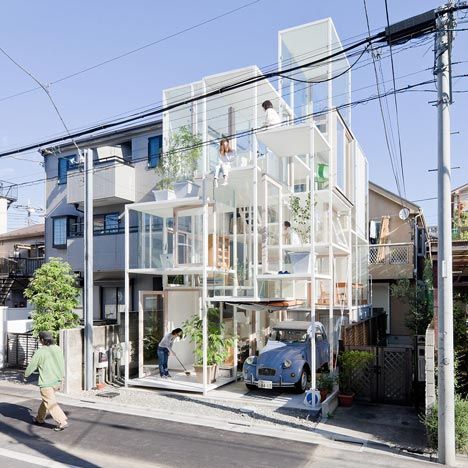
x=150 y=328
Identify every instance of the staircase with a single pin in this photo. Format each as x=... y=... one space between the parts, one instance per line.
x=5 y=287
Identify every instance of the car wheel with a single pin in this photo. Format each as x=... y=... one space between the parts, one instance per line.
x=301 y=385
x=250 y=386
x=326 y=367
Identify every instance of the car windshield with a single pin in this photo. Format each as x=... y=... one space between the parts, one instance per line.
x=289 y=336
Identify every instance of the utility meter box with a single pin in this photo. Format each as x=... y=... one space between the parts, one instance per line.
x=100 y=358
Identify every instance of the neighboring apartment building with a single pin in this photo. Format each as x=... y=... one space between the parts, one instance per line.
x=124 y=172
x=397 y=250
x=21 y=254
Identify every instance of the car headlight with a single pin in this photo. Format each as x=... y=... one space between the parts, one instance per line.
x=287 y=364
x=251 y=360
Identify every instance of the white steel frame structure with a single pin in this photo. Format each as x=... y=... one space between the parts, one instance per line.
x=312 y=155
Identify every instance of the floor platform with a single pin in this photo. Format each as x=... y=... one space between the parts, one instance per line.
x=179 y=381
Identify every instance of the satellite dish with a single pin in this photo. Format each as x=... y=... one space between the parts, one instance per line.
x=404 y=213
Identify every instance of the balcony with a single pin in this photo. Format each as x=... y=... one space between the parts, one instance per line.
x=13 y=267
x=391 y=261
x=114 y=182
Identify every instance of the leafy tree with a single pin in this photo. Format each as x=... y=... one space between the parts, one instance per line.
x=54 y=294
x=419 y=298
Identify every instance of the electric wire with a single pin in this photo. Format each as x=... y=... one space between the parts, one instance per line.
x=395 y=100
x=242 y=133
x=386 y=131
x=138 y=49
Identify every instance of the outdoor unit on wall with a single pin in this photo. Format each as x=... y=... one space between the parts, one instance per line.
x=421 y=357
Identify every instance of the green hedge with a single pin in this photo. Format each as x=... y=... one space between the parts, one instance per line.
x=461 y=425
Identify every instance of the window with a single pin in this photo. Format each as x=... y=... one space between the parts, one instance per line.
x=112 y=302
x=154 y=150
x=64 y=165
x=60 y=231
x=106 y=223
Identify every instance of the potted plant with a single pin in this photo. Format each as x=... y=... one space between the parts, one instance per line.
x=177 y=166
x=218 y=343
x=325 y=384
x=351 y=364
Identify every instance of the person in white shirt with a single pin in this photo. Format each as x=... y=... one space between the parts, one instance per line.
x=271 y=116
x=225 y=157
x=290 y=236
x=165 y=348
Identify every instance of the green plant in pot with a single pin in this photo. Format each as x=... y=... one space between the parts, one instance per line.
x=325 y=384
x=351 y=365
x=218 y=343
x=178 y=164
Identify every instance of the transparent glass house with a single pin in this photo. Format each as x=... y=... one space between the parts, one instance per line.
x=229 y=241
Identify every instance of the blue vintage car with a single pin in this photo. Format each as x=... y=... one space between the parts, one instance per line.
x=285 y=360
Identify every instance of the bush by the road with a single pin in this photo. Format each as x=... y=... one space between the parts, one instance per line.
x=461 y=425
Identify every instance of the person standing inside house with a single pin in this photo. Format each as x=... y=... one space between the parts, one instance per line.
x=290 y=236
x=271 y=116
x=165 y=348
x=48 y=360
x=225 y=157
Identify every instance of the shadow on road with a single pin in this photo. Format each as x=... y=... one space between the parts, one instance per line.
x=12 y=414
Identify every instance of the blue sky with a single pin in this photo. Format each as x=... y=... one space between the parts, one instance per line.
x=54 y=38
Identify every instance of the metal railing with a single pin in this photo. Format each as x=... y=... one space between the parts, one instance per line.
x=391 y=254
x=20 y=267
x=77 y=230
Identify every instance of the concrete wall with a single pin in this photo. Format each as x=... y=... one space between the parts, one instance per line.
x=71 y=342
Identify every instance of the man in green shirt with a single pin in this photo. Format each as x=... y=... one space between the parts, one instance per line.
x=48 y=360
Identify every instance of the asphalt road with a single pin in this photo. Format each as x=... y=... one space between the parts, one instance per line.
x=104 y=439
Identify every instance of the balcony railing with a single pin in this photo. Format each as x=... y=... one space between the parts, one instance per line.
x=20 y=267
x=77 y=230
x=391 y=254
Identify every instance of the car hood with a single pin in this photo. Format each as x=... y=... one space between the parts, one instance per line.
x=275 y=352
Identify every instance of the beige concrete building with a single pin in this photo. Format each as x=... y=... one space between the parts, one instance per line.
x=397 y=249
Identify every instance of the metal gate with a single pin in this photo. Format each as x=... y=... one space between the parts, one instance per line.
x=389 y=378
x=20 y=348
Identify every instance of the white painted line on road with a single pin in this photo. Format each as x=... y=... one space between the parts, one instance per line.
x=32 y=459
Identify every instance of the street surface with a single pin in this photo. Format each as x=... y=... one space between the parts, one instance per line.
x=103 y=439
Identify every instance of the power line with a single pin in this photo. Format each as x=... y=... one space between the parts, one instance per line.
x=138 y=49
x=387 y=140
x=396 y=105
x=245 y=132
x=216 y=92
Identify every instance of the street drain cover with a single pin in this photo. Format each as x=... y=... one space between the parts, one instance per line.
x=108 y=394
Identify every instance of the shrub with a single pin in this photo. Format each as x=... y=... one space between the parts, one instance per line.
x=350 y=363
x=461 y=425
x=54 y=294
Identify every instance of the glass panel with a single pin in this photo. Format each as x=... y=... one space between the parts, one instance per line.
x=153 y=326
x=340 y=155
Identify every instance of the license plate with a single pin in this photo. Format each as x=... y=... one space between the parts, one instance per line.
x=265 y=384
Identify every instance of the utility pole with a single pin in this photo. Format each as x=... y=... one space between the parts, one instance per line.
x=446 y=390
x=89 y=374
